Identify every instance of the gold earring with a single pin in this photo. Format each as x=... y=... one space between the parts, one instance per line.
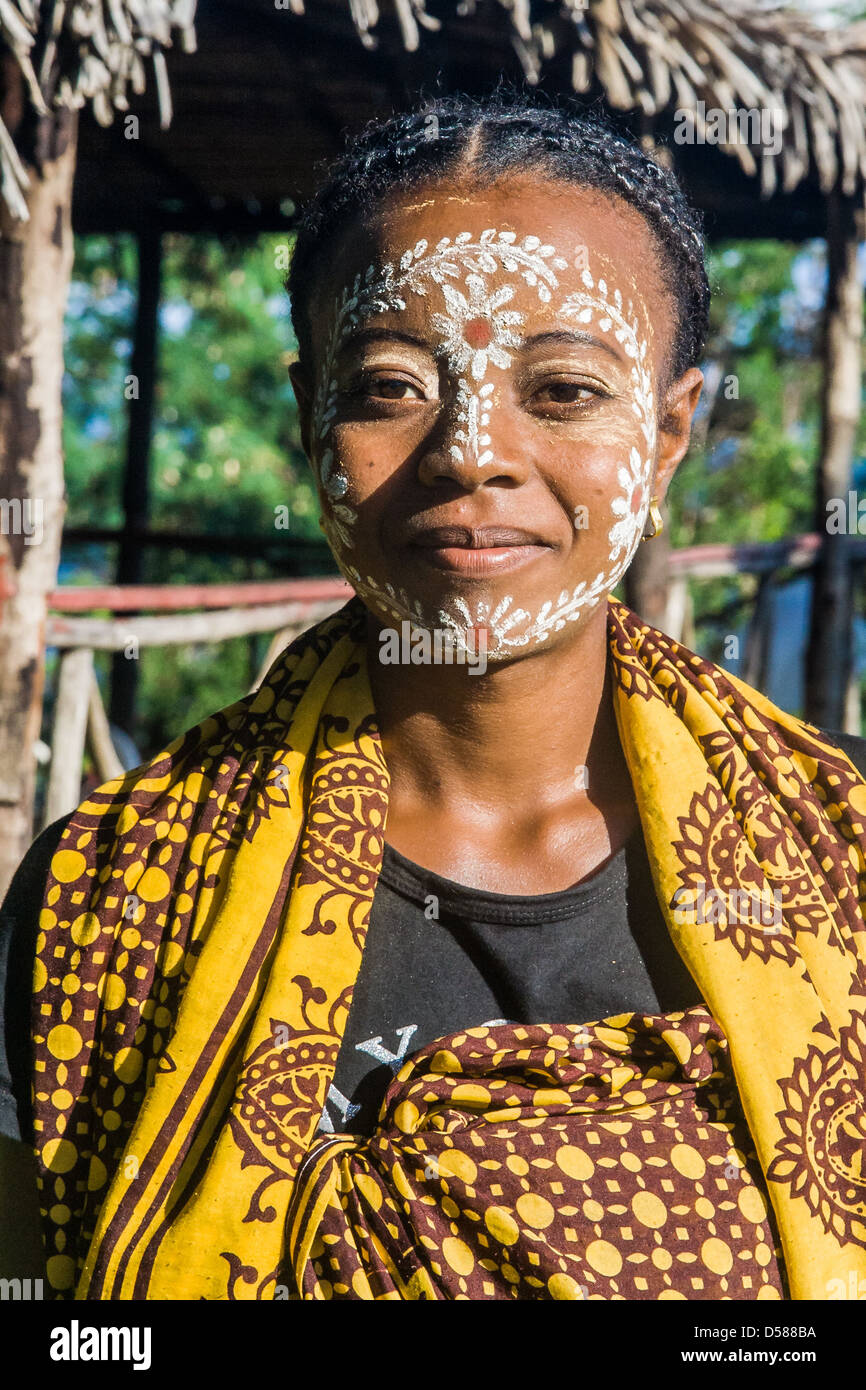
x=657 y=520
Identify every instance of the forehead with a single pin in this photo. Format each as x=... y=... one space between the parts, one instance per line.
x=586 y=228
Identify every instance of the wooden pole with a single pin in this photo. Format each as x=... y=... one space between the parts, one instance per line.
x=108 y=765
x=70 y=730
x=136 y=479
x=828 y=660
x=35 y=265
x=675 y=611
x=278 y=642
x=853 y=718
x=180 y=629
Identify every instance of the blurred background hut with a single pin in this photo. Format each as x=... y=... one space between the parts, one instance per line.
x=151 y=171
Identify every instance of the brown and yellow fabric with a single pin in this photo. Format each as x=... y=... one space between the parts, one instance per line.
x=200 y=938
x=607 y=1161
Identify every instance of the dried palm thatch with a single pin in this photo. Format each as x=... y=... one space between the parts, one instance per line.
x=71 y=52
x=659 y=55
x=653 y=56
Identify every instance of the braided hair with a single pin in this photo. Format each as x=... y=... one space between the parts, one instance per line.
x=485 y=139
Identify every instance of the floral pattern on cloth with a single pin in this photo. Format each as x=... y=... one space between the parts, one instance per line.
x=608 y=1161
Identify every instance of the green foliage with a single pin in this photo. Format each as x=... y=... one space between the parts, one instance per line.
x=98 y=339
x=181 y=685
x=749 y=474
x=225 y=448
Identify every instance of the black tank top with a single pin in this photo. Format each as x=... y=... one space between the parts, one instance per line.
x=438 y=957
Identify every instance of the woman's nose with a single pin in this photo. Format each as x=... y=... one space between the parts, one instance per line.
x=474 y=441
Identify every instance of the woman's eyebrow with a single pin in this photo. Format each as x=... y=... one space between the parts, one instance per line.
x=570 y=338
x=362 y=336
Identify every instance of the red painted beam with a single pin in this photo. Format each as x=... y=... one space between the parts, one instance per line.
x=173 y=598
x=745 y=551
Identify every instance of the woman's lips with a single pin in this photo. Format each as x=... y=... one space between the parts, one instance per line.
x=479 y=551
x=499 y=559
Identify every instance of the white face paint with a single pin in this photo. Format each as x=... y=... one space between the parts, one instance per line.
x=476 y=328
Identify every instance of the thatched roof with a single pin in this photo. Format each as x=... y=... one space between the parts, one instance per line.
x=651 y=55
x=274 y=84
x=86 y=52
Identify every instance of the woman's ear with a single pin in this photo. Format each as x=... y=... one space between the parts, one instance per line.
x=302 y=387
x=675 y=426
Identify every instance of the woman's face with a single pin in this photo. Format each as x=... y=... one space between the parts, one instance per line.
x=482 y=410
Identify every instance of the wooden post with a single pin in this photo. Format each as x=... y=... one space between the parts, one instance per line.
x=278 y=642
x=674 y=621
x=70 y=730
x=108 y=765
x=853 y=719
x=35 y=265
x=828 y=661
x=136 y=479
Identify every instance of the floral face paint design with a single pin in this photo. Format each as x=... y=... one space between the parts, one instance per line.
x=476 y=327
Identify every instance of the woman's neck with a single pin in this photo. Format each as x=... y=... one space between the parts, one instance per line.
x=526 y=756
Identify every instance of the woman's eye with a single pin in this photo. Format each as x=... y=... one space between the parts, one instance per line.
x=388 y=388
x=565 y=393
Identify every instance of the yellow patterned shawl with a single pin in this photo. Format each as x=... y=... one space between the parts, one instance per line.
x=203 y=925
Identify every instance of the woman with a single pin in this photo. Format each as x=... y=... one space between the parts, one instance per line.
x=593 y=900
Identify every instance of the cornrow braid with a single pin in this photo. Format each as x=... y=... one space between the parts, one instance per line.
x=485 y=139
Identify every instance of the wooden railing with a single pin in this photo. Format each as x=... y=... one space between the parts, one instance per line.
x=163 y=615
x=179 y=613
